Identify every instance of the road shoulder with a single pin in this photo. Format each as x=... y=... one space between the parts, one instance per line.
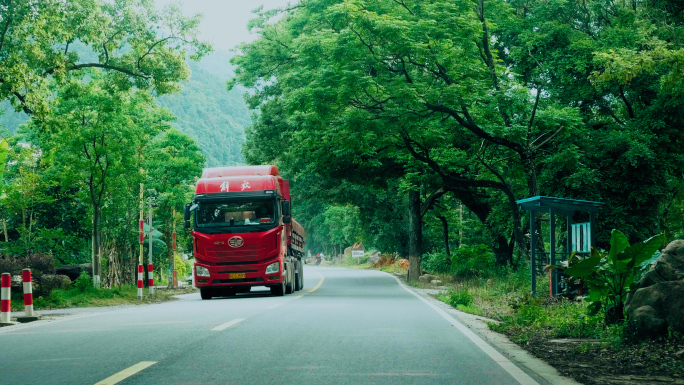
x=478 y=325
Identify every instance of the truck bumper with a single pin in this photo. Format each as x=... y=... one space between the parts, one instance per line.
x=239 y=275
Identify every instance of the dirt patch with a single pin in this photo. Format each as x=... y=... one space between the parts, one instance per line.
x=594 y=363
x=385 y=260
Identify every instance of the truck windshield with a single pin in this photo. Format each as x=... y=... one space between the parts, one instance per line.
x=235 y=213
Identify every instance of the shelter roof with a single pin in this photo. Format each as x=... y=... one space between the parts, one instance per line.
x=558 y=205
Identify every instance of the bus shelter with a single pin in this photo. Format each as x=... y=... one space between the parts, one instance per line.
x=580 y=236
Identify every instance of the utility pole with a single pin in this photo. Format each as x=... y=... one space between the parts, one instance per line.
x=172 y=254
x=152 y=196
x=142 y=239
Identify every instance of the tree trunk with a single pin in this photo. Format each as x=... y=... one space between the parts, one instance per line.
x=168 y=234
x=415 y=235
x=460 y=229
x=445 y=228
x=96 y=256
x=533 y=190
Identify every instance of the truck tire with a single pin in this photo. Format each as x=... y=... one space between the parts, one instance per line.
x=298 y=272
x=279 y=290
x=206 y=293
x=300 y=283
x=290 y=281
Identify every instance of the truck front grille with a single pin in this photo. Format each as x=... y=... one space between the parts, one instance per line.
x=236 y=263
x=246 y=252
x=237 y=280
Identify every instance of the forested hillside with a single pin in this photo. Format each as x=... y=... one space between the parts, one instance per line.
x=204 y=110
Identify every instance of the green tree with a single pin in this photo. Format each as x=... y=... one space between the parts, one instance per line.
x=140 y=46
x=94 y=131
x=173 y=163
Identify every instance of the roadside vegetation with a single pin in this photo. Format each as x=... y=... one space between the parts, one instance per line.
x=561 y=331
x=83 y=294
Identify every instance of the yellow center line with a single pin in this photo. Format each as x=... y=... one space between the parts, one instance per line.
x=124 y=374
x=320 y=283
x=228 y=324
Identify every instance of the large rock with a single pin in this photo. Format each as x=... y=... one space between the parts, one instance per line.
x=668 y=267
x=375 y=257
x=426 y=278
x=654 y=308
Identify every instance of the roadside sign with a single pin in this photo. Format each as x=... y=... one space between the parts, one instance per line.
x=357 y=253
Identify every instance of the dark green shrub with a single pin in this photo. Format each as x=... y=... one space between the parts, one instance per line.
x=473 y=261
x=460 y=297
x=435 y=263
x=83 y=282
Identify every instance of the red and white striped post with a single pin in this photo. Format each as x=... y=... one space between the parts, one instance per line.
x=175 y=279
x=28 y=293
x=5 y=297
x=150 y=278
x=140 y=281
x=142 y=239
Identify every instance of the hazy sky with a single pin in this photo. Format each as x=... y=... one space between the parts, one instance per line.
x=225 y=21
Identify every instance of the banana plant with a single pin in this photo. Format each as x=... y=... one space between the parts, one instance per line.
x=611 y=275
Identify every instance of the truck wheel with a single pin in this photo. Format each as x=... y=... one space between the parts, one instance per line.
x=290 y=282
x=298 y=272
x=205 y=293
x=300 y=282
x=279 y=290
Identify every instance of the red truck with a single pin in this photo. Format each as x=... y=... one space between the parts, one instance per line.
x=243 y=234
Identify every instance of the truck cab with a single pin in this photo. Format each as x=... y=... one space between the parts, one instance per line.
x=243 y=234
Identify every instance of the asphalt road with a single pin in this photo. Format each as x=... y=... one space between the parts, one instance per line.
x=346 y=326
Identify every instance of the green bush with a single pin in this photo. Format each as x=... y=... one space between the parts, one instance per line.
x=460 y=297
x=473 y=261
x=83 y=282
x=436 y=263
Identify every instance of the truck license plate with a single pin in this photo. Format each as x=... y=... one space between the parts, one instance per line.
x=236 y=275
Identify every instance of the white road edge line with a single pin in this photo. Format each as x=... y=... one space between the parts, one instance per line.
x=512 y=369
x=124 y=374
x=228 y=324
x=10 y=329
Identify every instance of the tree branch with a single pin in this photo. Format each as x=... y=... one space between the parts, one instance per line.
x=630 y=111
x=431 y=200
x=9 y=20
x=74 y=67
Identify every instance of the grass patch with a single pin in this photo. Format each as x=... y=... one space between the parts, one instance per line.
x=95 y=297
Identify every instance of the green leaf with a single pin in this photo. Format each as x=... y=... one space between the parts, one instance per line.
x=618 y=243
x=583 y=268
x=594 y=308
x=642 y=251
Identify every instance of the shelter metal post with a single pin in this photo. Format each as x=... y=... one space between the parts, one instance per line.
x=592 y=230
x=570 y=249
x=533 y=243
x=553 y=277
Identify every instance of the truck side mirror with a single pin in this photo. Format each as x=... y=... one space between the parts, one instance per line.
x=286 y=211
x=186 y=216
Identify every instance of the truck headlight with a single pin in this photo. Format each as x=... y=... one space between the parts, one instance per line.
x=273 y=268
x=201 y=271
